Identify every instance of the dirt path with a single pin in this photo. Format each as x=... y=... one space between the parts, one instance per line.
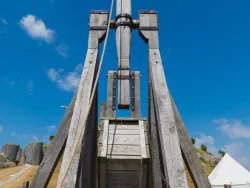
x=15 y=176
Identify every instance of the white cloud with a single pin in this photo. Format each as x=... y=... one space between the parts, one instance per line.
x=1 y=128
x=13 y=134
x=62 y=49
x=51 y=128
x=3 y=25
x=208 y=141
x=66 y=81
x=30 y=86
x=37 y=29
x=4 y=21
x=34 y=138
x=239 y=153
x=234 y=129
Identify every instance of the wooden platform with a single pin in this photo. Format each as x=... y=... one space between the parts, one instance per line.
x=123 y=154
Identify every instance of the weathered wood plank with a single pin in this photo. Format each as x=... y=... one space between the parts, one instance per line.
x=171 y=153
x=123 y=127
x=111 y=96
x=79 y=115
x=54 y=150
x=123 y=178
x=135 y=85
x=172 y=158
x=142 y=140
x=81 y=106
x=88 y=154
x=189 y=153
x=127 y=150
x=124 y=132
x=105 y=139
x=155 y=169
x=123 y=165
x=124 y=139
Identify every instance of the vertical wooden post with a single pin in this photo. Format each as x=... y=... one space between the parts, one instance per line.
x=227 y=186
x=111 y=103
x=135 y=96
x=171 y=153
x=123 y=43
x=97 y=20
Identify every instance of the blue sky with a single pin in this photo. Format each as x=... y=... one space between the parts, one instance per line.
x=205 y=50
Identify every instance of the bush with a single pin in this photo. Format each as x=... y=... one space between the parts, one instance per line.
x=203 y=147
x=51 y=138
x=193 y=140
x=221 y=153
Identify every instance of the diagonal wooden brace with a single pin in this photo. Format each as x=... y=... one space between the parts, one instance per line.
x=82 y=102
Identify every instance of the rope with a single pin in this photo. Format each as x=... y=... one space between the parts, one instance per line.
x=79 y=138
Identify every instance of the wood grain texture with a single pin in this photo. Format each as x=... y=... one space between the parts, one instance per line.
x=88 y=156
x=81 y=105
x=171 y=152
x=123 y=44
x=155 y=171
x=111 y=96
x=172 y=157
x=54 y=151
x=135 y=87
x=191 y=159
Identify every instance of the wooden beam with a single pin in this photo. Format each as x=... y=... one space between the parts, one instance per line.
x=89 y=150
x=54 y=150
x=191 y=159
x=171 y=152
x=68 y=180
x=155 y=148
x=111 y=98
x=135 y=98
x=123 y=43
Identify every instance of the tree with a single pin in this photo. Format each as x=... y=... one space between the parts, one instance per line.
x=51 y=138
x=221 y=153
x=193 y=140
x=203 y=147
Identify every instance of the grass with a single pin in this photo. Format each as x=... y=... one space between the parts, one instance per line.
x=26 y=176
x=6 y=172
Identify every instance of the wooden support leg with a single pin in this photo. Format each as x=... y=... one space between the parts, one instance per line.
x=54 y=151
x=171 y=152
x=82 y=103
x=189 y=154
x=135 y=90
x=88 y=155
x=156 y=171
